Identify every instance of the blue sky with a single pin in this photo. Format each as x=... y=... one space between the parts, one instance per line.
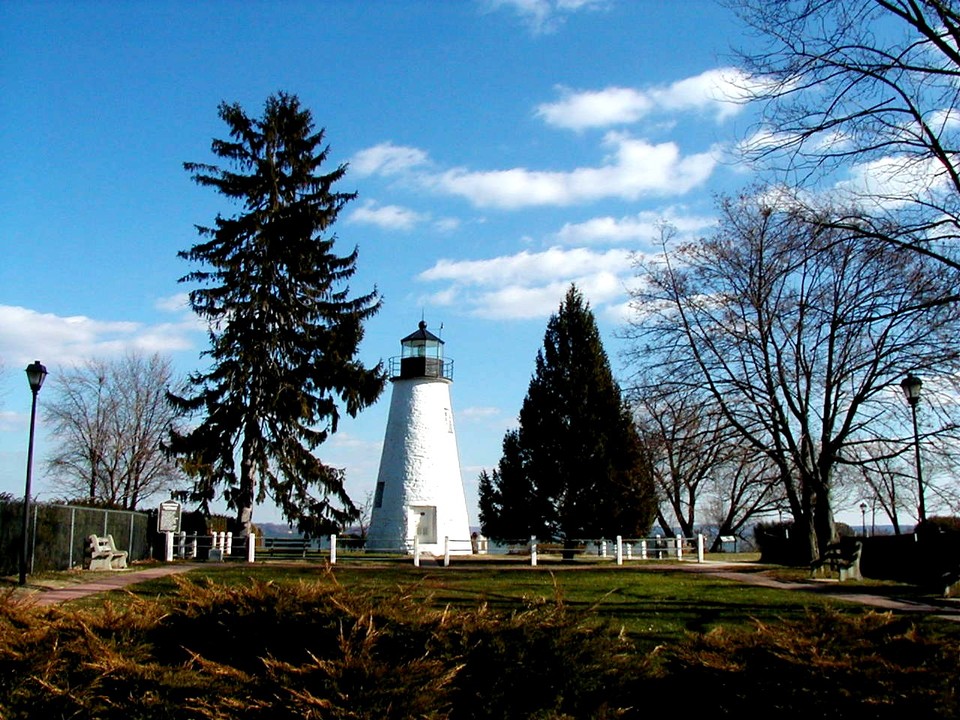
x=501 y=150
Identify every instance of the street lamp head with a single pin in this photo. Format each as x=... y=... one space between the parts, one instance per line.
x=912 y=385
x=863 y=507
x=36 y=373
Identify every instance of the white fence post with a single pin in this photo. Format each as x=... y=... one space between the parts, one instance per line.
x=533 y=551
x=446 y=551
x=700 y=548
x=168 y=547
x=195 y=546
x=629 y=551
x=603 y=548
x=619 y=550
x=228 y=544
x=333 y=548
x=643 y=549
x=416 y=551
x=679 y=547
x=251 y=547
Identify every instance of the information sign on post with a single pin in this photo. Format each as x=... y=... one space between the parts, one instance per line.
x=168 y=520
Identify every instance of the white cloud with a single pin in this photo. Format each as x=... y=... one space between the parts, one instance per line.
x=178 y=303
x=893 y=181
x=529 y=285
x=10 y=420
x=635 y=169
x=719 y=91
x=447 y=224
x=479 y=412
x=388 y=217
x=27 y=334
x=527 y=267
x=387 y=159
x=643 y=227
x=766 y=141
x=545 y=16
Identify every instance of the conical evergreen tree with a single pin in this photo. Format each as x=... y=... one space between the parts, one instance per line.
x=579 y=454
x=505 y=496
x=284 y=331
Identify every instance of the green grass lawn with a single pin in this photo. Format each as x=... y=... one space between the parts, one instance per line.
x=655 y=604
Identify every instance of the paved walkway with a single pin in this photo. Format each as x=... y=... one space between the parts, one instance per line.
x=947 y=608
x=748 y=574
x=103 y=582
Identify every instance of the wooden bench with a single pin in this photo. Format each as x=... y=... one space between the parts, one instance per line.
x=842 y=559
x=102 y=554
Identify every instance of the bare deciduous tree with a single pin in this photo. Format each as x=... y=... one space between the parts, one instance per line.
x=109 y=418
x=800 y=332
x=869 y=87
x=703 y=469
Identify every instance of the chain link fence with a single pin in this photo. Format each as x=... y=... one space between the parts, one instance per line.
x=57 y=534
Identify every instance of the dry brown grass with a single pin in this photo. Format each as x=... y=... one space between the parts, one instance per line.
x=318 y=650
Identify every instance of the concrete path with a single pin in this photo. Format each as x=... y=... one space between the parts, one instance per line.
x=947 y=608
x=103 y=582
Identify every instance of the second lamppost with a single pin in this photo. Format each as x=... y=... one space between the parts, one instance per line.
x=911 y=389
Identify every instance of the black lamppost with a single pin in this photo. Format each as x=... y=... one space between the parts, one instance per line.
x=863 y=519
x=911 y=389
x=35 y=376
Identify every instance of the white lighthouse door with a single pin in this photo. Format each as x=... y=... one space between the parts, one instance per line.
x=425 y=517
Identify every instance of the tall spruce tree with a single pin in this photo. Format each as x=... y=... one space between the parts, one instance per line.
x=284 y=331
x=576 y=467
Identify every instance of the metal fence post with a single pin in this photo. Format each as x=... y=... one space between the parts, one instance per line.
x=33 y=550
x=333 y=548
x=619 y=550
x=533 y=551
x=446 y=551
x=73 y=527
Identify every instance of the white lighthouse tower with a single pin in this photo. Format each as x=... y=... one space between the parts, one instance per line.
x=419 y=490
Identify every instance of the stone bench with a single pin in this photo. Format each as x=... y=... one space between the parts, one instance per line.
x=102 y=554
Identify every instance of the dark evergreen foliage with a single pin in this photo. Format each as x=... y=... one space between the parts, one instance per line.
x=284 y=330
x=506 y=496
x=576 y=468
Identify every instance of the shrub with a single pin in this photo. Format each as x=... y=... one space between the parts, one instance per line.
x=316 y=650
x=828 y=665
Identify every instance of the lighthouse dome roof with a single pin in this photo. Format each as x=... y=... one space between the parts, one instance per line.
x=422 y=334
